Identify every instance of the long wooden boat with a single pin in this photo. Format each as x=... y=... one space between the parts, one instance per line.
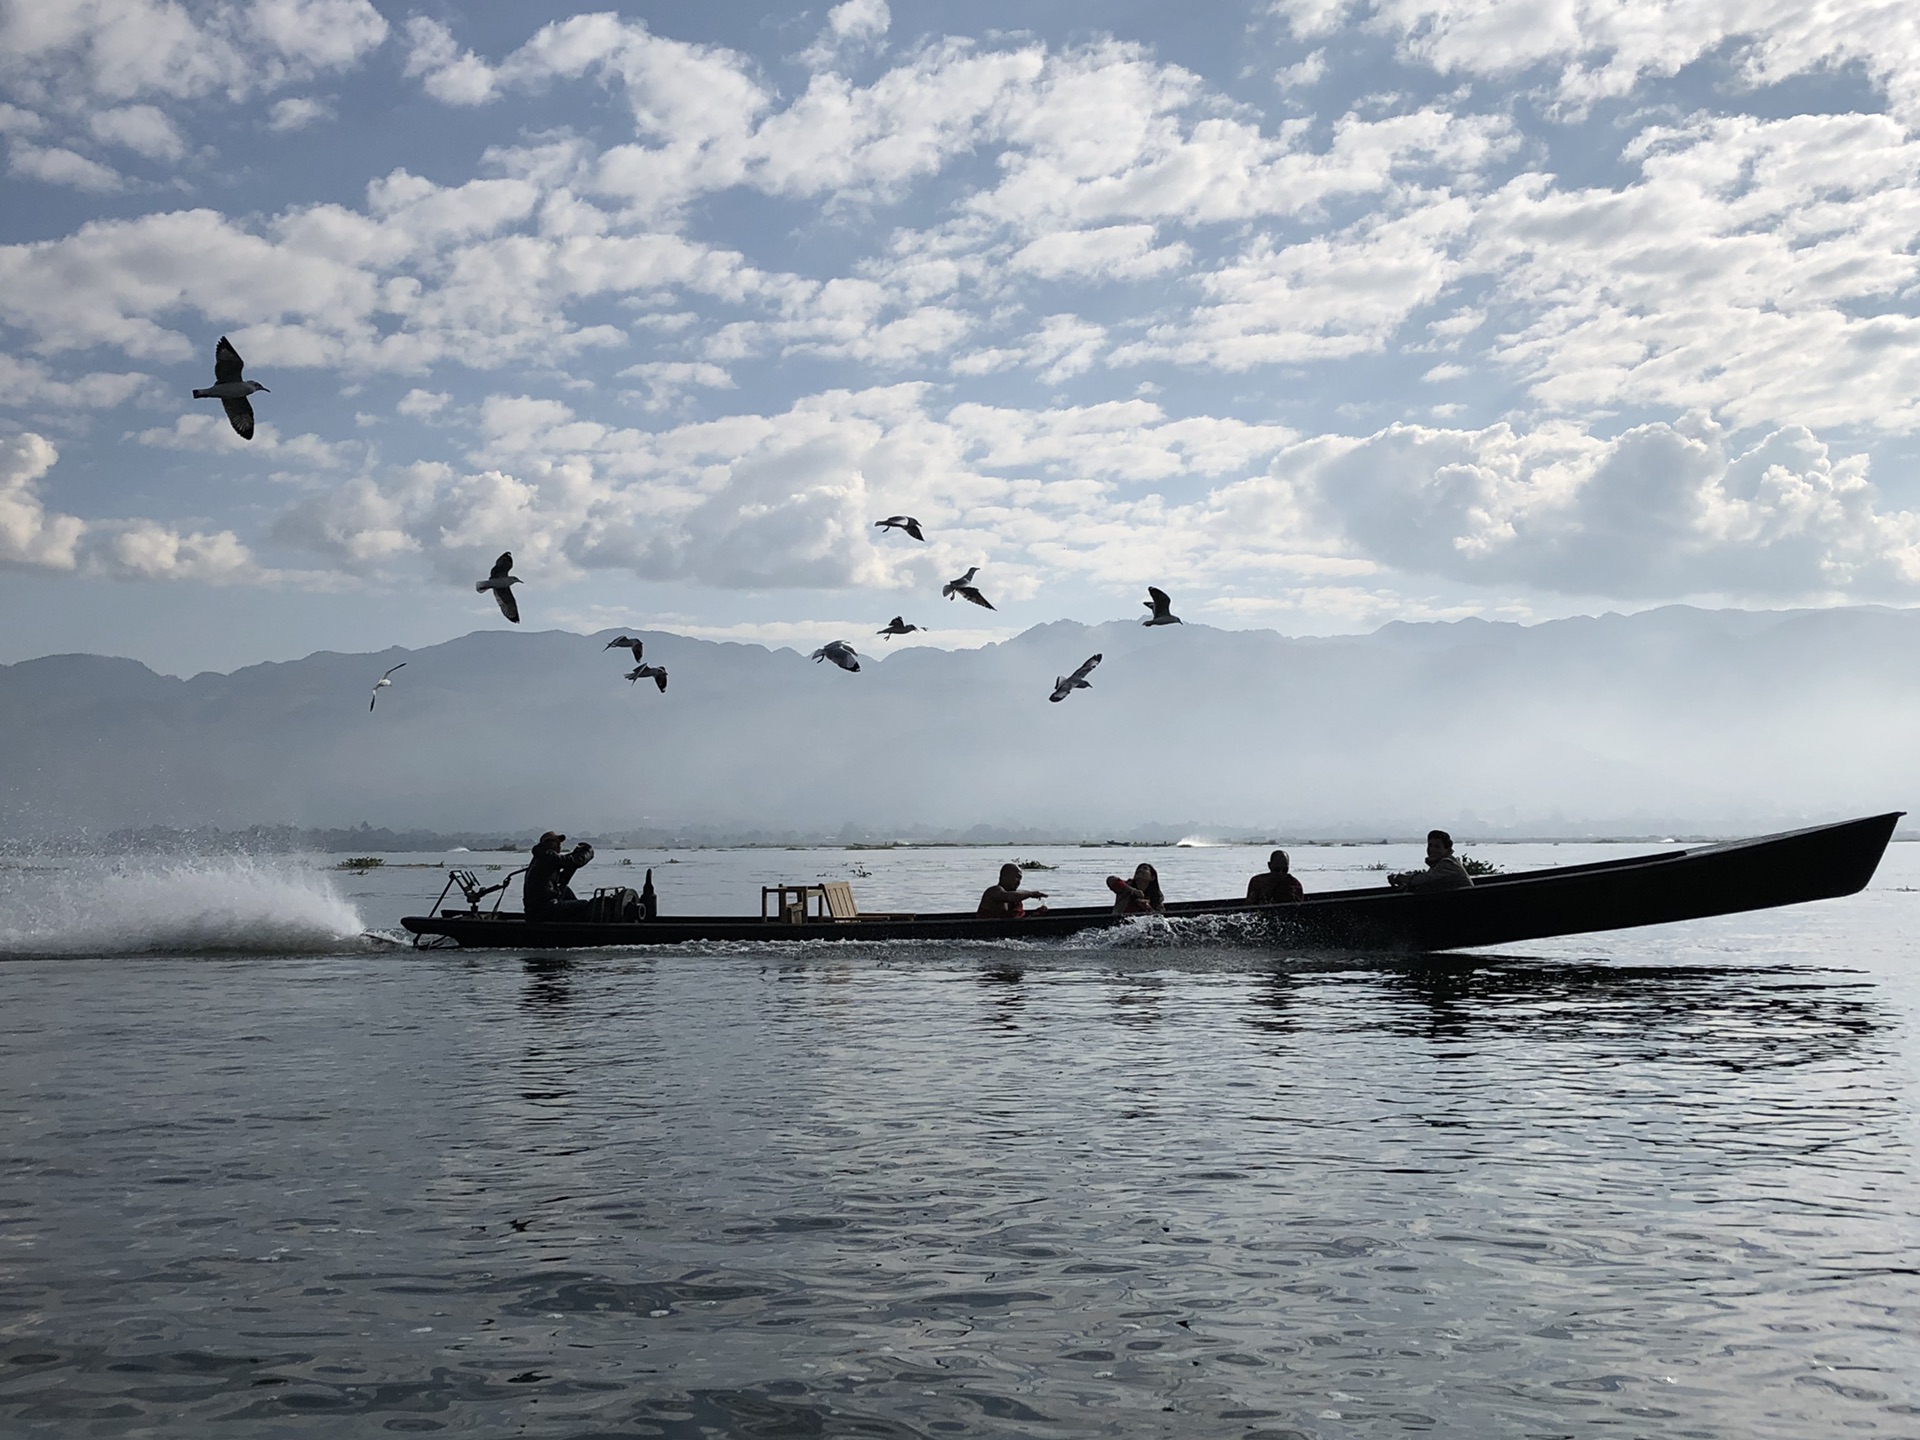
x=1818 y=863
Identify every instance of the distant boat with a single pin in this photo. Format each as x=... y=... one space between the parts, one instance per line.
x=1819 y=863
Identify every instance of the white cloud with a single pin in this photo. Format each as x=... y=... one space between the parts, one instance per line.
x=1063 y=346
x=29 y=384
x=426 y=274
x=1115 y=252
x=419 y=404
x=1298 y=76
x=148 y=550
x=57 y=165
x=33 y=537
x=296 y=112
x=1604 y=48
x=1311 y=19
x=29 y=536
x=1662 y=511
x=449 y=74
x=1765 y=270
x=859 y=20
x=15 y=121
x=1341 y=294
x=667 y=380
x=124 y=49
x=788 y=500
x=851 y=28
x=143 y=129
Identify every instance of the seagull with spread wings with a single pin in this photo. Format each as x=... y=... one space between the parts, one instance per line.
x=1065 y=685
x=900 y=522
x=655 y=673
x=501 y=582
x=1161 y=606
x=897 y=626
x=964 y=588
x=230 y=390
x=840 y=653
x=385 y=682
x=626 y=642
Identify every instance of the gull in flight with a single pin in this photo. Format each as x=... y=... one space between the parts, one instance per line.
x=1162 y=608
x=963 y=587
x=385 y=682
x=840 y=653
x=655 y=673
x=230 y=390
x=897 y=626
x=501 y=582
x=626 y=642
x=900 y=522
x=1065 y=685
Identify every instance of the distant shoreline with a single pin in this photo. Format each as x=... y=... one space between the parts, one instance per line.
x=374 y=840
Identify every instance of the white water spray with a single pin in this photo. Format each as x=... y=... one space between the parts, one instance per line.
x=227 y=905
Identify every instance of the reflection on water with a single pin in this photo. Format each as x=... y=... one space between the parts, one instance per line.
x=547 y=982
x=924 y=1191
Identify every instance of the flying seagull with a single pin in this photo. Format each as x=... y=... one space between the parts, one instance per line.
x=655 y=673
x=963 y=587
x=501 y=582
x=840 y=653
x=897 y=626
x=1064 y=686
x=626 y=643
x=383 y=683
x=230 y=390
x=900 y=522
x=1162 y=608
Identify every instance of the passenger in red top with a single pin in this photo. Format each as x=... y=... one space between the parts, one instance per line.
x=1276 y=885
x=1140 y=895
x=1006 y=900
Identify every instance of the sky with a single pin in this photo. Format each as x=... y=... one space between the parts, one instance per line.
x=1316 y=313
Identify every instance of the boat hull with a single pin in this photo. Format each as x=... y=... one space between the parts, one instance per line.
x=1819 y=863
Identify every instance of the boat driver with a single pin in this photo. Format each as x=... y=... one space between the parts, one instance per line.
x=1443 y=872
x=545 y=894
x=1005 y=900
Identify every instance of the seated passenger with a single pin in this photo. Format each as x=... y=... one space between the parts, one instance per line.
x=1443 y=871
x=545 y=894
x=1005 y=900
x=1276 y=885
x=1140 y=895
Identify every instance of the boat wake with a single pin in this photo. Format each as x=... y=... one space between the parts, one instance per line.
x=227 y=906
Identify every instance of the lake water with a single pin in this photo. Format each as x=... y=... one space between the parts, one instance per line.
x=262 y=1175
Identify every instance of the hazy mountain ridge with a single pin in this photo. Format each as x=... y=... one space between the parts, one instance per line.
x=1674 y=719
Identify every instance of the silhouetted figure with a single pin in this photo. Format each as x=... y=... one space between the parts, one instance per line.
x=1162 y=607
x=1276 y=885
x=231 y=390
x=1443 y=871
x=840 y=653
x=1005 y=900
x=501 y=582
x=1065 y=685
x=1140 y=895
x=545 y=894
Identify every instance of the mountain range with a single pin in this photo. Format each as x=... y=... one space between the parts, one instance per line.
x=1667 y=721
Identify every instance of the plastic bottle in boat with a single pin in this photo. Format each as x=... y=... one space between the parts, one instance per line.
x=649 y=902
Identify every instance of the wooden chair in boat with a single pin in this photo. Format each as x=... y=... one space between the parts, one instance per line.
x=840 y=904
